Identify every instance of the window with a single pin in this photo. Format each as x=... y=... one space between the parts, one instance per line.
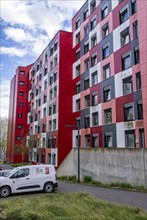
x=78 y=123
x=22 y=72
x=78 y=38
x=106 y=71
x=87 y=121
x=56 y=46
x=87 y=101
x=44 y=128
x=86 y=83
x=55 y=91
x=107 y=94
x=125 y=37
x=45 y=57
x=108 y=139
x=108 y=116
x=106 y=51
x=21 y=173
x=54 y=124
x=93 y=40
x=93 y=24
x=55 y=60
x=92 y=5
x=45 y=71
x=21 y=93
x=134 y=6
x=135 y=29
x=128 y=112
x=86 y=30
x=51 y=65
x=78 y=141
x=77 y=88
x=87 y=140
x=50 y=110
x=45 y=84
x=39 y=104
x=94 y=99
x=19 y=126
x=51 y=50
x=138 y=81
x=85 y=15
x=20 y=104
x=51 y=80
x=86 y=64
x=126 y=61
x=44 y=98
x=140 y=109
x=93 y=60
x=78 y=70
x=54 y=142
x=105 y=30
x=86 y=48
x=44 y=112
x=20 y=115
x=136 y=55
x=127 y=85
x=94 y=78
x=130 y=138
x=78 y=55
x=54 y=108
x=124 y=16
x=77 y=24
x=49 y=142
x=77 y=104
x=104 y=12
x=55 y=77
x=94 y=118
x=21 y=83
x=51 y=94
x=50 y=125
x=95 y=140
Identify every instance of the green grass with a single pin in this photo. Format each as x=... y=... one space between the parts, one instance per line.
x=66 y=206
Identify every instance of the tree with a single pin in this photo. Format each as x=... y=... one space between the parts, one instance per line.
x=3 y=135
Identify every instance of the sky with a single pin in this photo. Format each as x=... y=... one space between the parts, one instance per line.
x=27 y=26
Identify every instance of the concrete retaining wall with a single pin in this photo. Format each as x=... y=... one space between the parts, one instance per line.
x=107 y=165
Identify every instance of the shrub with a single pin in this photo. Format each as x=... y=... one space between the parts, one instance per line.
x=87 y=179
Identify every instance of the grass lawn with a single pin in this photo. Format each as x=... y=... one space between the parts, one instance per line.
x=66 y=206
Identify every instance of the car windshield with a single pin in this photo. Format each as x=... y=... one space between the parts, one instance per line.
x=11 y=172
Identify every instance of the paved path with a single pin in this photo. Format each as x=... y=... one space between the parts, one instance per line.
x=136 y=199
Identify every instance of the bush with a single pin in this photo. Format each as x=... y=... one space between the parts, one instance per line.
x=87 y=179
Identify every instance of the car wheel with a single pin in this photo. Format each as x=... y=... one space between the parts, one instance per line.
x=5 y=191
x=48 y=188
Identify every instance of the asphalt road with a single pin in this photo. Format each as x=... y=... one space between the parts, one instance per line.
x=131 y=198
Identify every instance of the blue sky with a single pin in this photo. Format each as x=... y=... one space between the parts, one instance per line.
x=27 y=26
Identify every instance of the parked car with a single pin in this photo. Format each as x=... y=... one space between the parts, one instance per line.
x=4 y=172
x=27 y=179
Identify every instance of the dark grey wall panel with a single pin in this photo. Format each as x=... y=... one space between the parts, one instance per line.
x=112 y=129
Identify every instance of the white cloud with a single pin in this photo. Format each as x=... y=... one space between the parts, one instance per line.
x=13 y=51
x=4 y=97
x=17 y=34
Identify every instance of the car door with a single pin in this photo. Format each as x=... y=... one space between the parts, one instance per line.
x=21 y=180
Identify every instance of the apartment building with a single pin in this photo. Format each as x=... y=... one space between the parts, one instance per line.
x=50 y=101
x=94 y=79
x=17 y=121
x=110 y=74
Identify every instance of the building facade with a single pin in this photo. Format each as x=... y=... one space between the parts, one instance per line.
x=17 y=121
x=50 y=100
x=109 y=73
x=94 y=79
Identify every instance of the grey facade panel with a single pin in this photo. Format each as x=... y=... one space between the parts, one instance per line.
x=84 y=112
x=102 y=5
x=83 y=76
x=106 y=40
x=82 y=43
x=109 y=129
x=137 y=97
x=106 y=83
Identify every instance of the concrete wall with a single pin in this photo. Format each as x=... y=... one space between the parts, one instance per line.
x=107 y=165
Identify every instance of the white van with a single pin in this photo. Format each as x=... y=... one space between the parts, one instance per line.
x=28 y=179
